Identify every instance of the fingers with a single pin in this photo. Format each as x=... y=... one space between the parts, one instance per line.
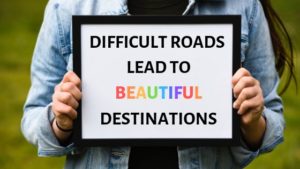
x=61 y=109
x=71 y=88
x=68 y=99
x=249 y=97
x=72 y=77
x=64 y=114
x=242 y=72
x=252 y=105
x=246 y=94
x=65 y=100
x=244 y=82
x=245 y=89
x=68 y=94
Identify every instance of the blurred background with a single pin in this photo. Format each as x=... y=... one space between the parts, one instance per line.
x=19 y=25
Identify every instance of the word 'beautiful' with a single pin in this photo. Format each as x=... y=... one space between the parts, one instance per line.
x=157 y=92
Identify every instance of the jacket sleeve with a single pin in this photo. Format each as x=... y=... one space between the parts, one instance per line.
x=260 y=62
x=47 y=69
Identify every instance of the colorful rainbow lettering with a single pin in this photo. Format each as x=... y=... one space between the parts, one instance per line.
x=158 y=92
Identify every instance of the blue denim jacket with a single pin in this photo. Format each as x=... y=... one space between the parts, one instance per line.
x=53 y=58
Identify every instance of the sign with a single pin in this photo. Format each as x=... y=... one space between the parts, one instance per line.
x=149 y=80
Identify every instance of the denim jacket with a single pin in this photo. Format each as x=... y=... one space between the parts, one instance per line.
x=52 y=58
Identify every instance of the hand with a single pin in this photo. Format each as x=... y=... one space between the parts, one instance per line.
x=65 y=101
x=250 y=104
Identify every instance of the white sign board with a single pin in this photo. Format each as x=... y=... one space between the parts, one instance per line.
x=156 y=80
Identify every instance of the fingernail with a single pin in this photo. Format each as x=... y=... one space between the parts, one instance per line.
x=234 y=105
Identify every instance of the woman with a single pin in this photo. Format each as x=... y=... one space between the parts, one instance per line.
x=53 y=98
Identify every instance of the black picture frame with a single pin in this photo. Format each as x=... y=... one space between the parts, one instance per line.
x=78 y=21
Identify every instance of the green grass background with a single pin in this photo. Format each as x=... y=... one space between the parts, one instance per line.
x=19 y=25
